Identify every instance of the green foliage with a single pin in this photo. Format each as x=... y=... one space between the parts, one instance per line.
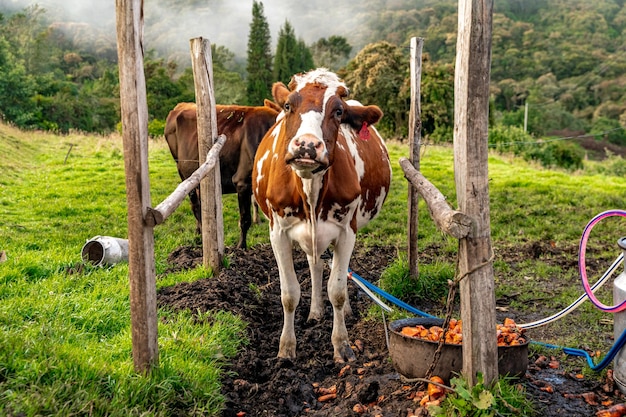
x=229 y=86
x=613 y=165
x=509 y=139
x=562 y=57
x=504 y=398
x=156 y=127
x=610 y=130
x=437 y=101
x=16 y=88
x=550 y=154
x=331 y=53
x=430 y=285
x=557 y=154
x=292 y=56
x=377 y=75
x=259 y=67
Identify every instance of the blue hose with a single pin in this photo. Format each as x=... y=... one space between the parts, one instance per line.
x=388 y=296
x=570 y=351
x=579 y=352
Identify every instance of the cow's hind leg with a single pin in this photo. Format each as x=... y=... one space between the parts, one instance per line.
x=338 y=295
x=244 y=198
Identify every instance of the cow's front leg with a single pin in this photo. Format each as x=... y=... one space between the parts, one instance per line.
x=289 y=291
x=316 y=266
x=338 y=295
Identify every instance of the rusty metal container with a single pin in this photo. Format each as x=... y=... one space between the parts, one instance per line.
x=411 y=357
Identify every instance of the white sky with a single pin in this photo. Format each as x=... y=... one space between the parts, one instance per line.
x=228 y=24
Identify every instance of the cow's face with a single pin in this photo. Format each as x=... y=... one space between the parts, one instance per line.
x=314 y=108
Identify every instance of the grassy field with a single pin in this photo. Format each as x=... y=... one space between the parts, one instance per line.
x=65 y=346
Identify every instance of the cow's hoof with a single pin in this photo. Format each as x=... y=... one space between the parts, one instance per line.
x=344 y=354
x=287 y=351
x=283 y=363
x=314 y=318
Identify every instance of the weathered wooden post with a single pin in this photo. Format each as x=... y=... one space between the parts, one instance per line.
x=134 y=109
x=471 y=111
x=211 y=185
x=415 y=140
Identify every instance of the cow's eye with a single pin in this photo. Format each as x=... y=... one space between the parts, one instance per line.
x=287 y=107
x=339 y=113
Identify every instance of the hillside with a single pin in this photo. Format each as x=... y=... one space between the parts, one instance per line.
x=562 y=58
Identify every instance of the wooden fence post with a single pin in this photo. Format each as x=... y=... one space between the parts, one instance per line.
x=471 y=114
x=211 y=185
x=134 y=110
x=415 y=140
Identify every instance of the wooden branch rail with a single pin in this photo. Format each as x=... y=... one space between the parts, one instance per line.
x=448 y=220
x=161 y=212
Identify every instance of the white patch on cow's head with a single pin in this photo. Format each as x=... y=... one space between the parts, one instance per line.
x=320 y=76
x=311 y=123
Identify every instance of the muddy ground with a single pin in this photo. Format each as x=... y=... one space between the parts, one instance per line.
x=258 y=384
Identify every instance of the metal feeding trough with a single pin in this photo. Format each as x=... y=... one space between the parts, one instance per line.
x=412 y=357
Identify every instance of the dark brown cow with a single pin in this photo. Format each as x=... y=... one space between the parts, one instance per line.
x=244 y=127
x=320 y=173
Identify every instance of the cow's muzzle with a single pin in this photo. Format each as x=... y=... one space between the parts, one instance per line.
x=307 y=152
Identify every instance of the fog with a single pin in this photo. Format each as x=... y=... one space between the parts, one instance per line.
x=224 y=22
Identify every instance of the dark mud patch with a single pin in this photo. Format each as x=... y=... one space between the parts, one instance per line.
x=256 y=383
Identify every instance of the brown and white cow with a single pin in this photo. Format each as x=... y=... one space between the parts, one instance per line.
x=244 y=127
x=320 y=174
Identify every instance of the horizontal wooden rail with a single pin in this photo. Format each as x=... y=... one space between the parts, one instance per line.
x=448 y=220
x=161 y=212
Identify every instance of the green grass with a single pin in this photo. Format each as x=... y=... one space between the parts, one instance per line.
x=65 y=344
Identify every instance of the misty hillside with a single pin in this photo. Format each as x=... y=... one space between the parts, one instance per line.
x=565 y=37
x=564 y=58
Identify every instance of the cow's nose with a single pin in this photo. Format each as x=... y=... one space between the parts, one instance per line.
x=307 y=146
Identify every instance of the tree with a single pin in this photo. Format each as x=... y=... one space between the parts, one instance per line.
x=16 y=88
x=230 y=87
x=331 y=53
x=377 y=76
x=292 y=56
x=304 y=59
x=259 y=66
x=437 y=100
x=284 y=60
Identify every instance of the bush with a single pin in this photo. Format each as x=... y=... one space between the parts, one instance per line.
x=557 y=154
x=156 y=128
x=442 y=134
x=509 y=139
x=612 y=165
x=609 y=130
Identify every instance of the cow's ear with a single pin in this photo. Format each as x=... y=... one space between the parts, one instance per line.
x=272 y=105
x=280 y=93
x=357 y=115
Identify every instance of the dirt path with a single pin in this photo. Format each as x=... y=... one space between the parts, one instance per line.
x=258 y=384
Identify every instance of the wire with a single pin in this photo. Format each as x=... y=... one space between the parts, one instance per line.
x=579 y=301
